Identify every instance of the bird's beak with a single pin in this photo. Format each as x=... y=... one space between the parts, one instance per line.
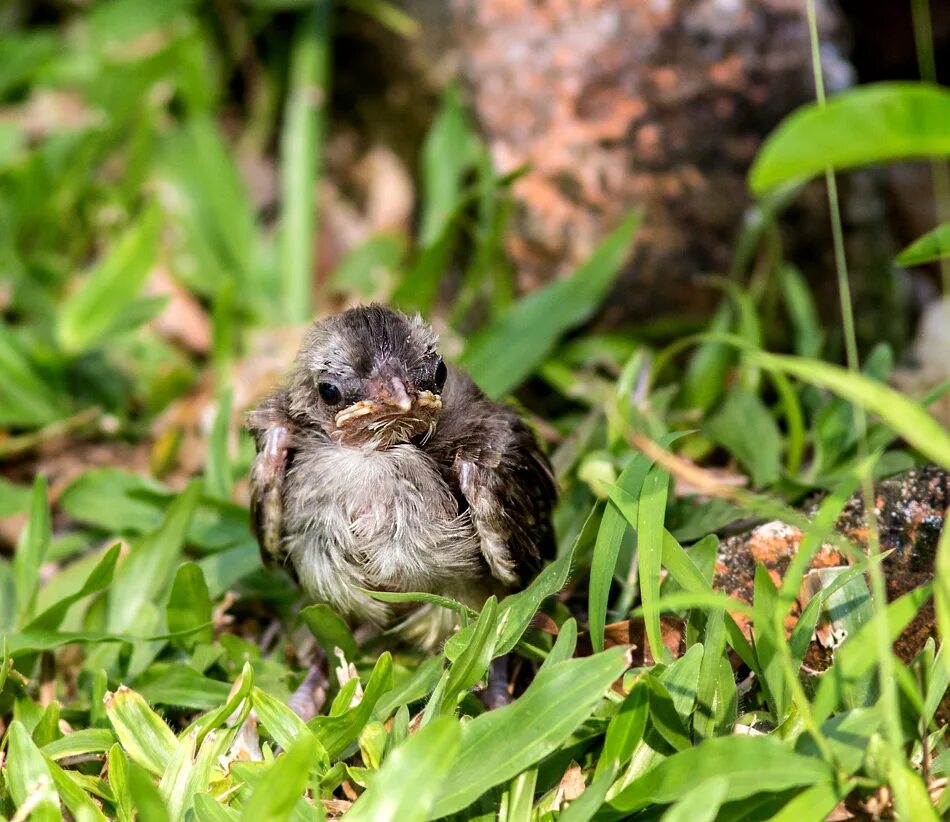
x=395 y=394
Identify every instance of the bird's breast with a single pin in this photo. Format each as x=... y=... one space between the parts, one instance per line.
x=388 y=514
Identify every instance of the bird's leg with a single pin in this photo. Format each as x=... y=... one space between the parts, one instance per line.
x=308 y=700
x=496 y=694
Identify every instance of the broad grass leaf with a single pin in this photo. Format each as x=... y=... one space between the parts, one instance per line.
x=406 y=786
x=678 y=683
x=748 y=765
x=31 y=550
x=188 y=773
x=280 y=722
x=236 y=706
x=114 y=500
x=415 y=688
x=896 y=121
x=448 y=154
x=701 y=804
x=223 y=569
x=857 y=655
x=707 y=686
x=518 y=801
x=651 y=514
x=278 y=790
x=88 y=317
x=77 y=743
x=98 y=580
x=500 y=744
x=118 y=765
x=911 y=795
x=516 y=611
x=207 y=809
x=27 y=773
x=148 y=802
x=705 y=377
x=181 y=685
x=900 y=413
x=625 y=729
x=76 y=800
x=502 y=355
x=144 y=575
x=214 y=215
x=765 y=609
x=564 y=646
x=689 y=577
x=613 y=524
x=814 y=804
x=747 y=430
x=218 y=476
x=189 y=606
x=847 y=735
x=337 y=733
x=330 y=630
x=26 y=399
x=472 y=663
x=934 y=245
x=143 y=733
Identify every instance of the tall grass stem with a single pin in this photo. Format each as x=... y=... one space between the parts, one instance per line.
x=301 y=159
x=927 y=65
x=878 y=586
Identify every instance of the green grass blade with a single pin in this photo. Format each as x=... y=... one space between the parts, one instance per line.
x=748 y=765
x=143 y=733
x=651 y=514
x=305 y=118
x=31 y=551
x=500 y=744
x=901 y=414
x=147 y=571
x=934 y=245
x=613 y=524
x=189 y=606
x=896 y=121
x=277 y=792
x=502 y=355
x=88 y=316
x=98 y=580
x=406 y=787
x=336 y=733
x=28 y=777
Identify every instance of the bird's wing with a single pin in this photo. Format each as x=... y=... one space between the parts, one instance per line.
x=493 y=462
x=273 y=432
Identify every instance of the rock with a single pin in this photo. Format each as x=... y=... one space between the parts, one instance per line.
x=911 y=508
x=658 y=104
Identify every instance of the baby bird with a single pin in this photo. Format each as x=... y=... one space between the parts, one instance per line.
x=380 y=467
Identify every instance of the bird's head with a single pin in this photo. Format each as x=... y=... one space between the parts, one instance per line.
x=369 y=377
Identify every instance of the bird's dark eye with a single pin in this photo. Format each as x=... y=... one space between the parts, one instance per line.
x=329 y=393
x=441 y=372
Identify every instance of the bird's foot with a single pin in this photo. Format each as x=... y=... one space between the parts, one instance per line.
x=496 y=693
x=309 y=698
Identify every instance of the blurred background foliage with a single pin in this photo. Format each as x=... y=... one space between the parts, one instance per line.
x=183 y=185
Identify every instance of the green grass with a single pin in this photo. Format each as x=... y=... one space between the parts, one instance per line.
x=138 y=630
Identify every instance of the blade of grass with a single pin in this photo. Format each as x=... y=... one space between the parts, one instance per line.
x=501 y=743
x=502 y=355
x=31 y=550
x=305 y=118
x=406 y=787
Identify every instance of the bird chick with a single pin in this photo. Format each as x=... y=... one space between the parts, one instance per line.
x=380 y=467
